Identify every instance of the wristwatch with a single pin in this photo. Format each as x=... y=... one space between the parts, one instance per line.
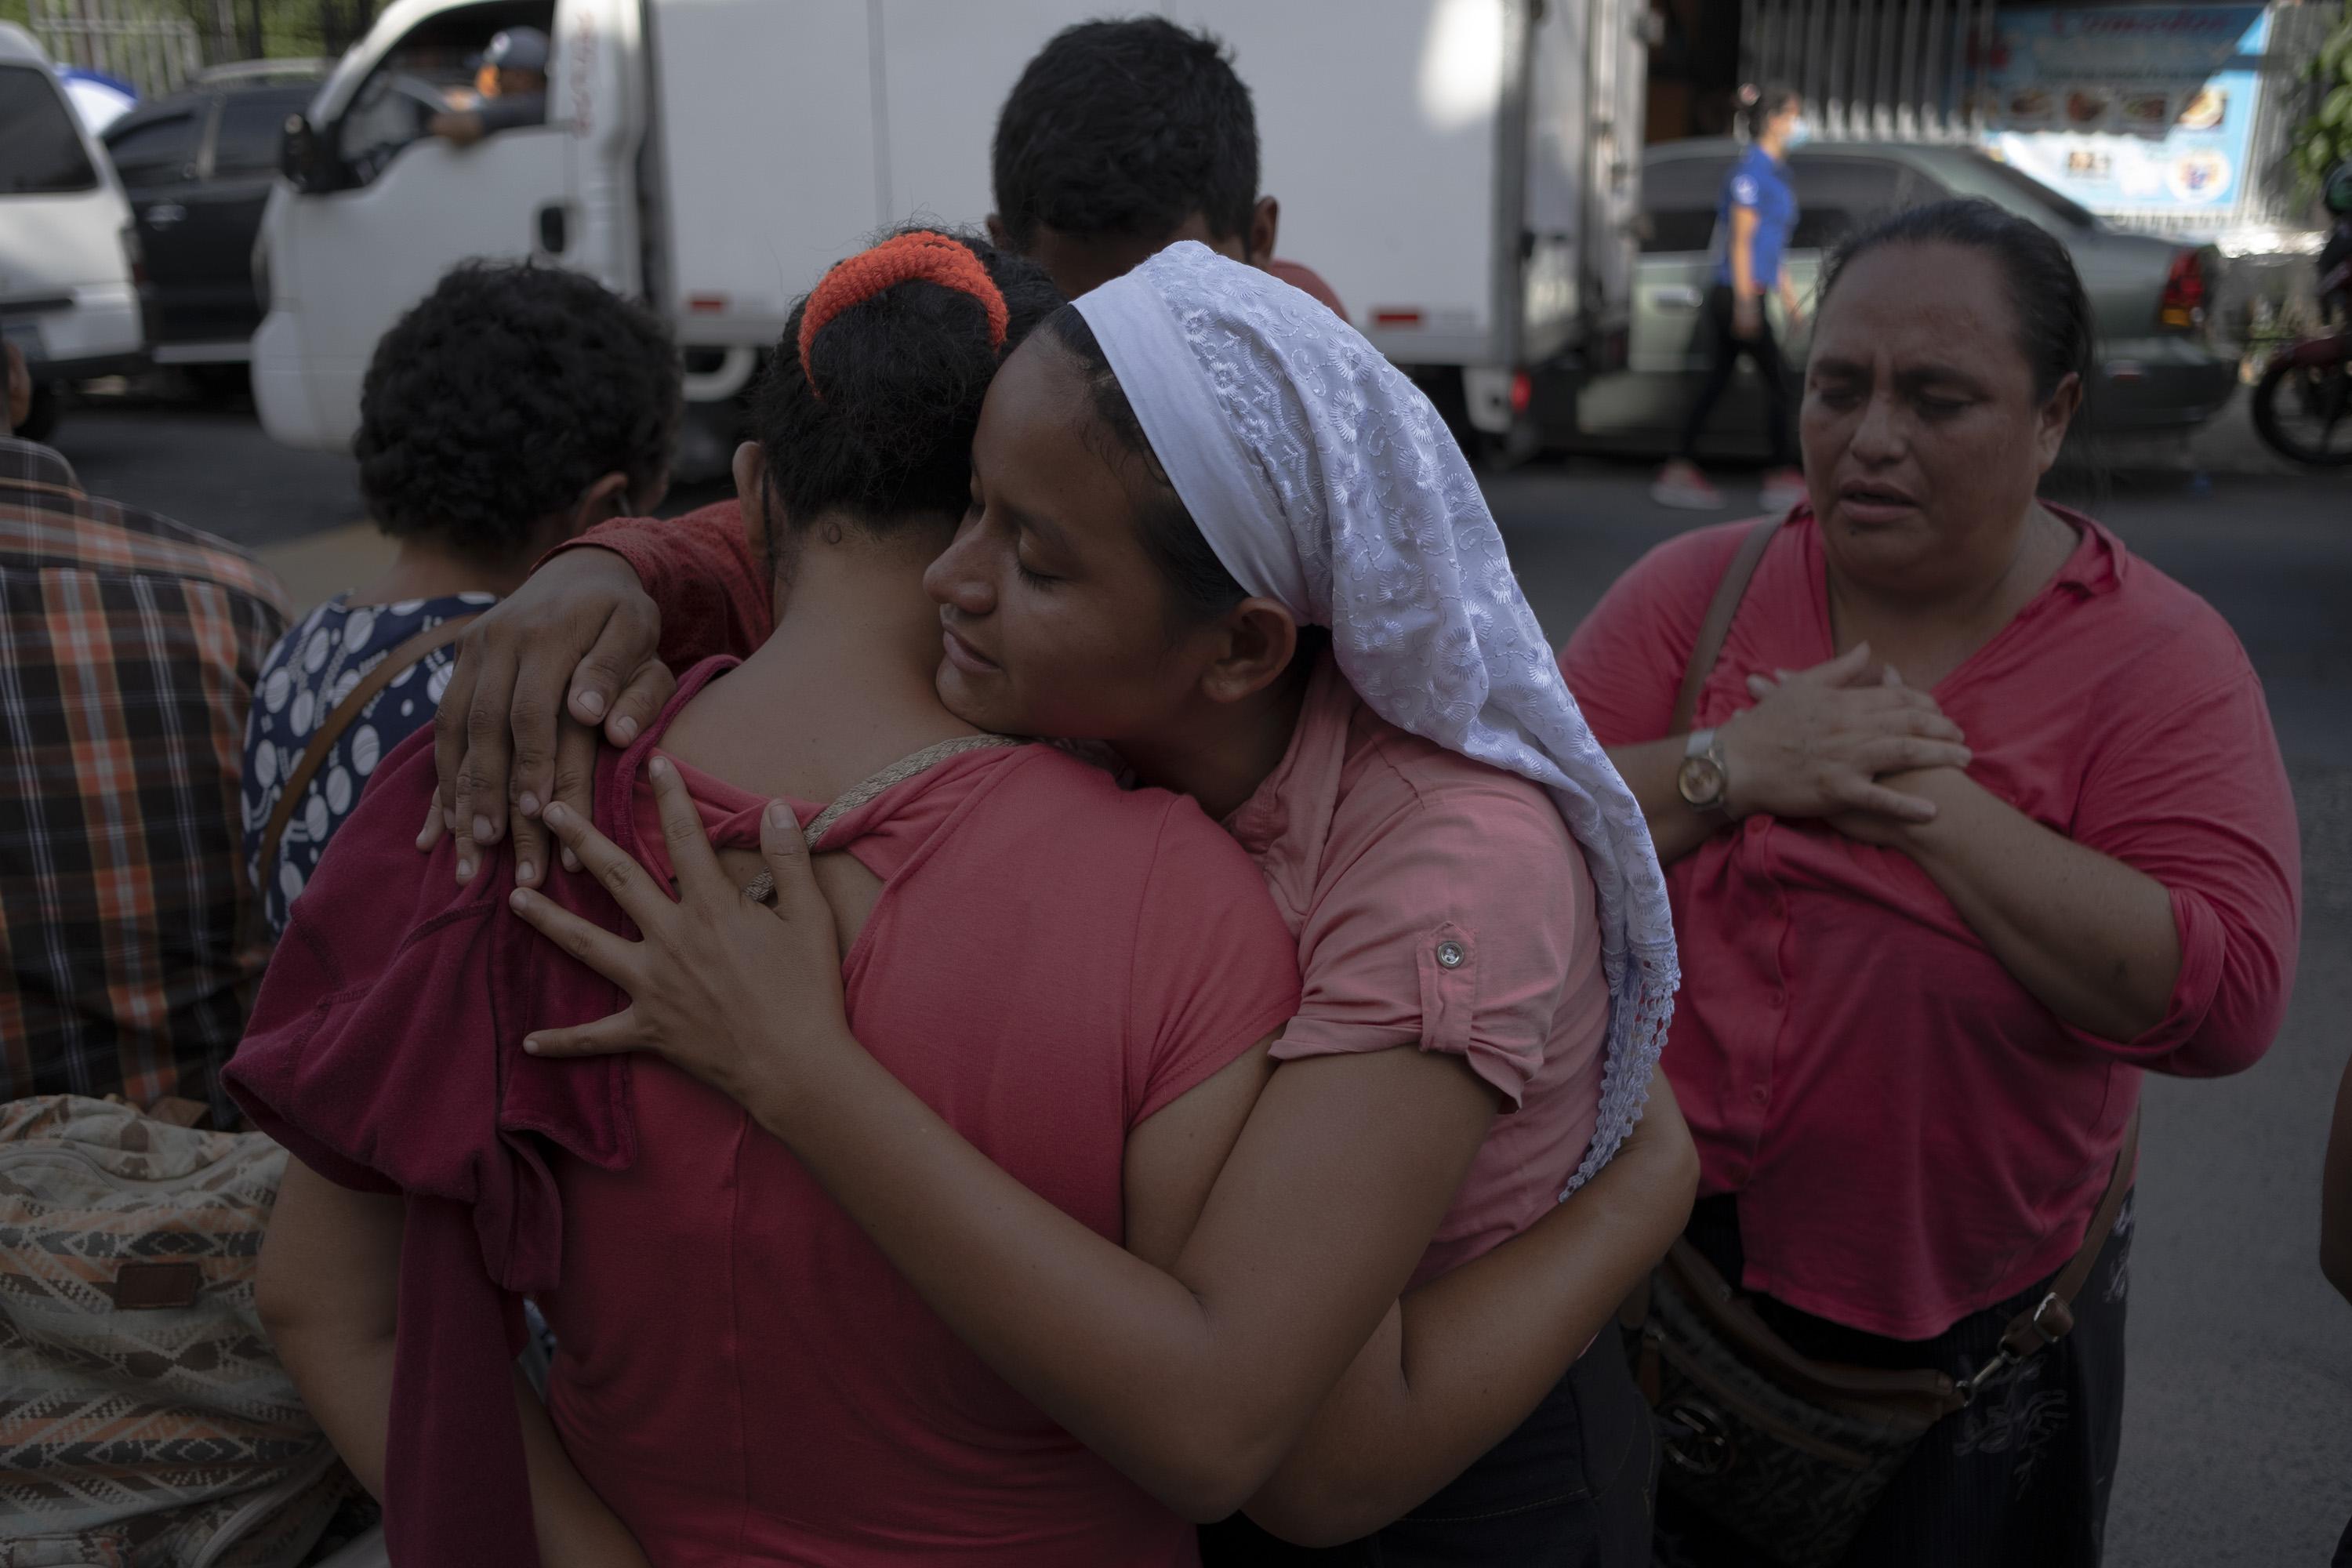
x=1703 y=778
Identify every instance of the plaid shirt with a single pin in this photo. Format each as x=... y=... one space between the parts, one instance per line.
x=129 y=650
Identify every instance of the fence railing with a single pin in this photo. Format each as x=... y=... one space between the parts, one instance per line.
x=1874 y=70
x=133 y=41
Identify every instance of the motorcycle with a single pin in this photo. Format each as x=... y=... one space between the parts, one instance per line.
x=2302 y=407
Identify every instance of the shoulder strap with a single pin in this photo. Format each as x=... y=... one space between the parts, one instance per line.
x=330 y=728
x=899 y=772
x=762 y=888
x=2052 y=1318
x=1718 y=623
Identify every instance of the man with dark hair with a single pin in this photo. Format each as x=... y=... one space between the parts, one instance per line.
x=511 y=409
x=129 y=648
x=1122 y=138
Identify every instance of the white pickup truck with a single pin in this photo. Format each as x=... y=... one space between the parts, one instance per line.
x=68 y=260
x=1464 y=173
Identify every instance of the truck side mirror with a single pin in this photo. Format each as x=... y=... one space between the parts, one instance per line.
x=299 y=154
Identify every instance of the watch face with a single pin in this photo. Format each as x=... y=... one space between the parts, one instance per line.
x=1700 y=781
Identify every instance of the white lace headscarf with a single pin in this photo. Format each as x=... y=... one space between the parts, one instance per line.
x=1325 y=480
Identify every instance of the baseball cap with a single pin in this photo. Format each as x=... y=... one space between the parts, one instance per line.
x=518 y=50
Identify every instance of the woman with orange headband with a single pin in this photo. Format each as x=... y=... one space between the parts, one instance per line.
x=741 y=1377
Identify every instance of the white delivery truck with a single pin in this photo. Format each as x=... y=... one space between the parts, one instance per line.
x=1462 y=171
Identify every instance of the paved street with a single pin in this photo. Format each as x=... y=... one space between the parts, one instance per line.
x=2238 y=1444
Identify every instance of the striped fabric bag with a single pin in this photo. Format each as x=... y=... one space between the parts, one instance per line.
x=144 y=1420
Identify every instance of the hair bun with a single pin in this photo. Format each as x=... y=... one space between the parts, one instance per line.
x=921 y=253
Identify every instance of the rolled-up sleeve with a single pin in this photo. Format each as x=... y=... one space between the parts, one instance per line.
x=1454 y=930
x=2198 y=799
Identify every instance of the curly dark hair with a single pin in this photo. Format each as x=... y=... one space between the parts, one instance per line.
x=504 y=394
x=1126 y=128
x=901 y=376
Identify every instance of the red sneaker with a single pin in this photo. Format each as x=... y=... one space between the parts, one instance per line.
x=1783 y=489
x=1680 y=484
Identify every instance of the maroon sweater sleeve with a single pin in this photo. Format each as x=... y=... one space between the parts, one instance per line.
x=385 y=1053
x=712 y=592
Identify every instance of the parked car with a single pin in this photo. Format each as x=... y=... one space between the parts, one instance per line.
x=198 y=166
x=2157 y=365
x=67 y=253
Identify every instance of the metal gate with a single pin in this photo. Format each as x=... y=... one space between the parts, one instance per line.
x=151 y=49
x=1877 y=69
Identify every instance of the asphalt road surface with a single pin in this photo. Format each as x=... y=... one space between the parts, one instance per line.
x=2238 y=1432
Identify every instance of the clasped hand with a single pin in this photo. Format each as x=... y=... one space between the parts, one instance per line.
x=1834 y=742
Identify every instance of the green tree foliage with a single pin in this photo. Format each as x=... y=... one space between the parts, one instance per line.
x=2324 y=139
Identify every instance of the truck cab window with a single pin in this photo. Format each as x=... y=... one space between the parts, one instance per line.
x=430 y=71
x=40 y=149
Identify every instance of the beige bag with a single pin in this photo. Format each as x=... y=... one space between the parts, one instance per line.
x=145 y=1422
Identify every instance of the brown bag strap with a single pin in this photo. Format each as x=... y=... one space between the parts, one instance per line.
x=762 y=888
x=330 y=728
x=1718 y=623
x=2052 y=1318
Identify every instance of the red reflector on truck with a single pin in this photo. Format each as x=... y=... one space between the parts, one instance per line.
x=707 y=304
x=1394 y=318
x=1523 y=391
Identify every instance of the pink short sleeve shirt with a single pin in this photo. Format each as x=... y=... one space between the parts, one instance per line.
x=1440 y=903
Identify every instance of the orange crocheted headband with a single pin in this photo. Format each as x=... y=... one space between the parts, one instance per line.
x=921 y=253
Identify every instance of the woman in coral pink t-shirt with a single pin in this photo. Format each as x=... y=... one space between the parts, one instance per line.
x=1464 y=934
x=742 y=1376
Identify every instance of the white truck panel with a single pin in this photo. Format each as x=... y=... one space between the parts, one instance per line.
x=765 y=134
x=1412 y=144
x=1376 y=129
x=597 y=86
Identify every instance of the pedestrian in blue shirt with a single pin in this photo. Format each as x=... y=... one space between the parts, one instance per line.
x=1753 y=222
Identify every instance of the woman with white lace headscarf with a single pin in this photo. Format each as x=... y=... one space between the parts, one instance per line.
x=1178 y=482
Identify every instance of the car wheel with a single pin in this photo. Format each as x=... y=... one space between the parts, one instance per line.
x=2304 y=412
x=42 y=419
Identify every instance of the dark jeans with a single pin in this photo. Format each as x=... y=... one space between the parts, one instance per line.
x=2019 y=1478
x=1724 y=349
x=1571 y=1488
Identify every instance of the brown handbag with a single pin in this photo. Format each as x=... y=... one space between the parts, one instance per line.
x=1788 y=1453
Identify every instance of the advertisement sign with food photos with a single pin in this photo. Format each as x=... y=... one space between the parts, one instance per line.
x=2133 y=110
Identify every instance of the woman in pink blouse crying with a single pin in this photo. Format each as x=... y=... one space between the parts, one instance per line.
x=1972 y=818
x=1178 y=484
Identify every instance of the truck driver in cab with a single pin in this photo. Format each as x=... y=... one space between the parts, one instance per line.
x=514 y=89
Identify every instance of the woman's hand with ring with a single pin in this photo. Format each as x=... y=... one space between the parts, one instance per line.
x=732 y=992
x=1819 y=742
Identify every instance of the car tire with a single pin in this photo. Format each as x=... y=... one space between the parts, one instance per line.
x=41 y=420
